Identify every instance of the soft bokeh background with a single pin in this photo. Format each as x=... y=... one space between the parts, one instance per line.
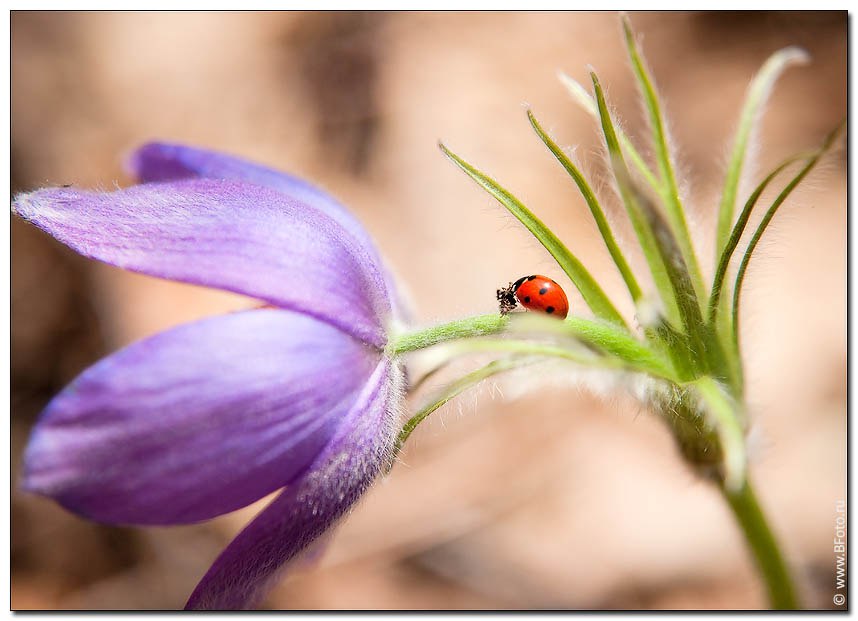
x=549 y=497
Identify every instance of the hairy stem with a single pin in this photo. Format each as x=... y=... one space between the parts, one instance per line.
x=764 y=547
x=456 y=388
x=481 y=325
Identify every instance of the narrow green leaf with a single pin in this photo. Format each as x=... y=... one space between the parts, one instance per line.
x=758 y=92
x=724 y=416
x=708 y=355
x=719 y=317
x=592 y=293
x=761 y=228
x=456 y=388
x=420 y=381
x=670 y=343
x=645 y=234
x=587 y=102
x=595 y=208
x=736 y=235
x=670 y=191
x=707 y=352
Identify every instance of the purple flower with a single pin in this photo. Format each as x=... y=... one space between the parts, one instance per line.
x=210 y=416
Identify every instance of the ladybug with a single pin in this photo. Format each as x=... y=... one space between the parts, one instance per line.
x=535 y=293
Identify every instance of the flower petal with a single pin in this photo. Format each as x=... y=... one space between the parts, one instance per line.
x=199 y=420
x=161 y=161
x=230 y=235
x=249 y=566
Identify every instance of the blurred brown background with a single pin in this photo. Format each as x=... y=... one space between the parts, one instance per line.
x=550 y=497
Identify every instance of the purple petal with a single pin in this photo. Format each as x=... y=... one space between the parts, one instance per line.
x=253 y=562
x=199 y=420
x=160 y=161
x=230 y=235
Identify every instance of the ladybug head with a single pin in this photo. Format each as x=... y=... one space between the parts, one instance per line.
x=506 y=299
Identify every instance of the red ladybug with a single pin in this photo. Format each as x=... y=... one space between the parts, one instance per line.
x=535 y=293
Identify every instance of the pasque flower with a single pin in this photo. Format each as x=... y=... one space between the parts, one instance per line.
x=211 y=416
x=303 y=394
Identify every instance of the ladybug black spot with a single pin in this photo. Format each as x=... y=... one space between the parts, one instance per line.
x=527 y=299
x=549 y=309
x=543 y=291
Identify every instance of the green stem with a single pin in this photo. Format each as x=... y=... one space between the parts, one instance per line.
x=764 y=547
x=480 y=325
x=456 y=388
x=616 y=347
x=726 y=419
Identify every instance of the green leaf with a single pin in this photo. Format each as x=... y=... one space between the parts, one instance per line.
x=592 y=293
x=761 y=228
x=718 y=317
x=588 y=103
x=645 y=234
x=723 y=414
x=701 y=340
x=670 y=192
x=758 y=92
x=456 y=388
x=708 y=354
x=595 y=208
x=738 y=229
x=420 y=381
